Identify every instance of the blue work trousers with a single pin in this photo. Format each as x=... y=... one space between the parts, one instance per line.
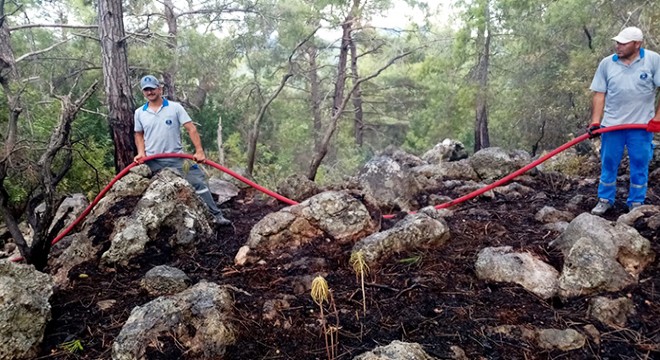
x=640 y=152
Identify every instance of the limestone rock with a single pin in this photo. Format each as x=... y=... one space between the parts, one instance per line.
x=550 y=339
x=396 y=350
x=549 y=214
x=199 y=319
x=564 y=340
x=503 y=265
x=414 y=231
x=168 y=201
x=612 y=312
x=494 y=162
x=648 y=215
x=222 y=190
x=600 y=256
x=335 y=215
x=24 y=310
x=447 y=150
x=404 y=159
x=388 y=185
x=298 y=188
x=164 y=280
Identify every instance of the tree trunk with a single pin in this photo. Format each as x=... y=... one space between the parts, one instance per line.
x=332 y=125
x=254 y=133
x=337 y=100
x=357 y=97
x=7 y=62
x=314 y=93
x=340 y=83
x=172 y=30
x=8 y=74
x=52 y=167
x=117 y=83
x=481 y=138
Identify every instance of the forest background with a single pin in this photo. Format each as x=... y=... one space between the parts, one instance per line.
x=277 y=88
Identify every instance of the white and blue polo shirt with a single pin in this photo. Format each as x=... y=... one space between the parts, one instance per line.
x=162 y=129
x=629 y=89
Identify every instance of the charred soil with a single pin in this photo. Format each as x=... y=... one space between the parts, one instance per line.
x=428 y=296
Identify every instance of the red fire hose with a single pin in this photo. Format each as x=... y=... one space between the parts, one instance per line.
x=461 y=199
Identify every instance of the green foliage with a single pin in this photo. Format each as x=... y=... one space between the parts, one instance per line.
x=543 y=56
x=92 y=169
x=235 y=150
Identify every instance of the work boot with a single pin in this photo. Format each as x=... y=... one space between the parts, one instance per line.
x=218 y=219
x=634 y=205
x=602 y=207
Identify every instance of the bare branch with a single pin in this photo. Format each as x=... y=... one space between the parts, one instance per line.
x=262 y=111
x=332 y=127
x=62 y=26
x=35 y=53
x=86 y=36
x=94 y=112
x=213 y=11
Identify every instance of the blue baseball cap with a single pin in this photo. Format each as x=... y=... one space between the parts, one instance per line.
x=149 y=82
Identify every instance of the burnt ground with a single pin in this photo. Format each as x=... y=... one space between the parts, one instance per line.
x=428 y=296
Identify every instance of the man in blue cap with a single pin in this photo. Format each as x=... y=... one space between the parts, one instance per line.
x=624 y=89
x=157 y=131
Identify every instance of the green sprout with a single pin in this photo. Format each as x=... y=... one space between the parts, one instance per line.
x=411 y=260
x=72 y=346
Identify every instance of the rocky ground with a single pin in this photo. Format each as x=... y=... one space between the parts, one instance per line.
x=429 y=296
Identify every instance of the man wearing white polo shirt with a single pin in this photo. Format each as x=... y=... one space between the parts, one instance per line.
x=624 y=89
x=157 y=131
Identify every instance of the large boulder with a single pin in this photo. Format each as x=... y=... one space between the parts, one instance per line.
x=298 y=188
x=132 y=185
x=333 y=214
x=431 y=176
x=404 y=159
x=198 y=319
x=136 y=211
x=600 y=256
x=413 y=232
x=388 y=185
x=493 y=163
x=24 y=310
x=83 y=246
x=502 y=264
x=169 y=201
